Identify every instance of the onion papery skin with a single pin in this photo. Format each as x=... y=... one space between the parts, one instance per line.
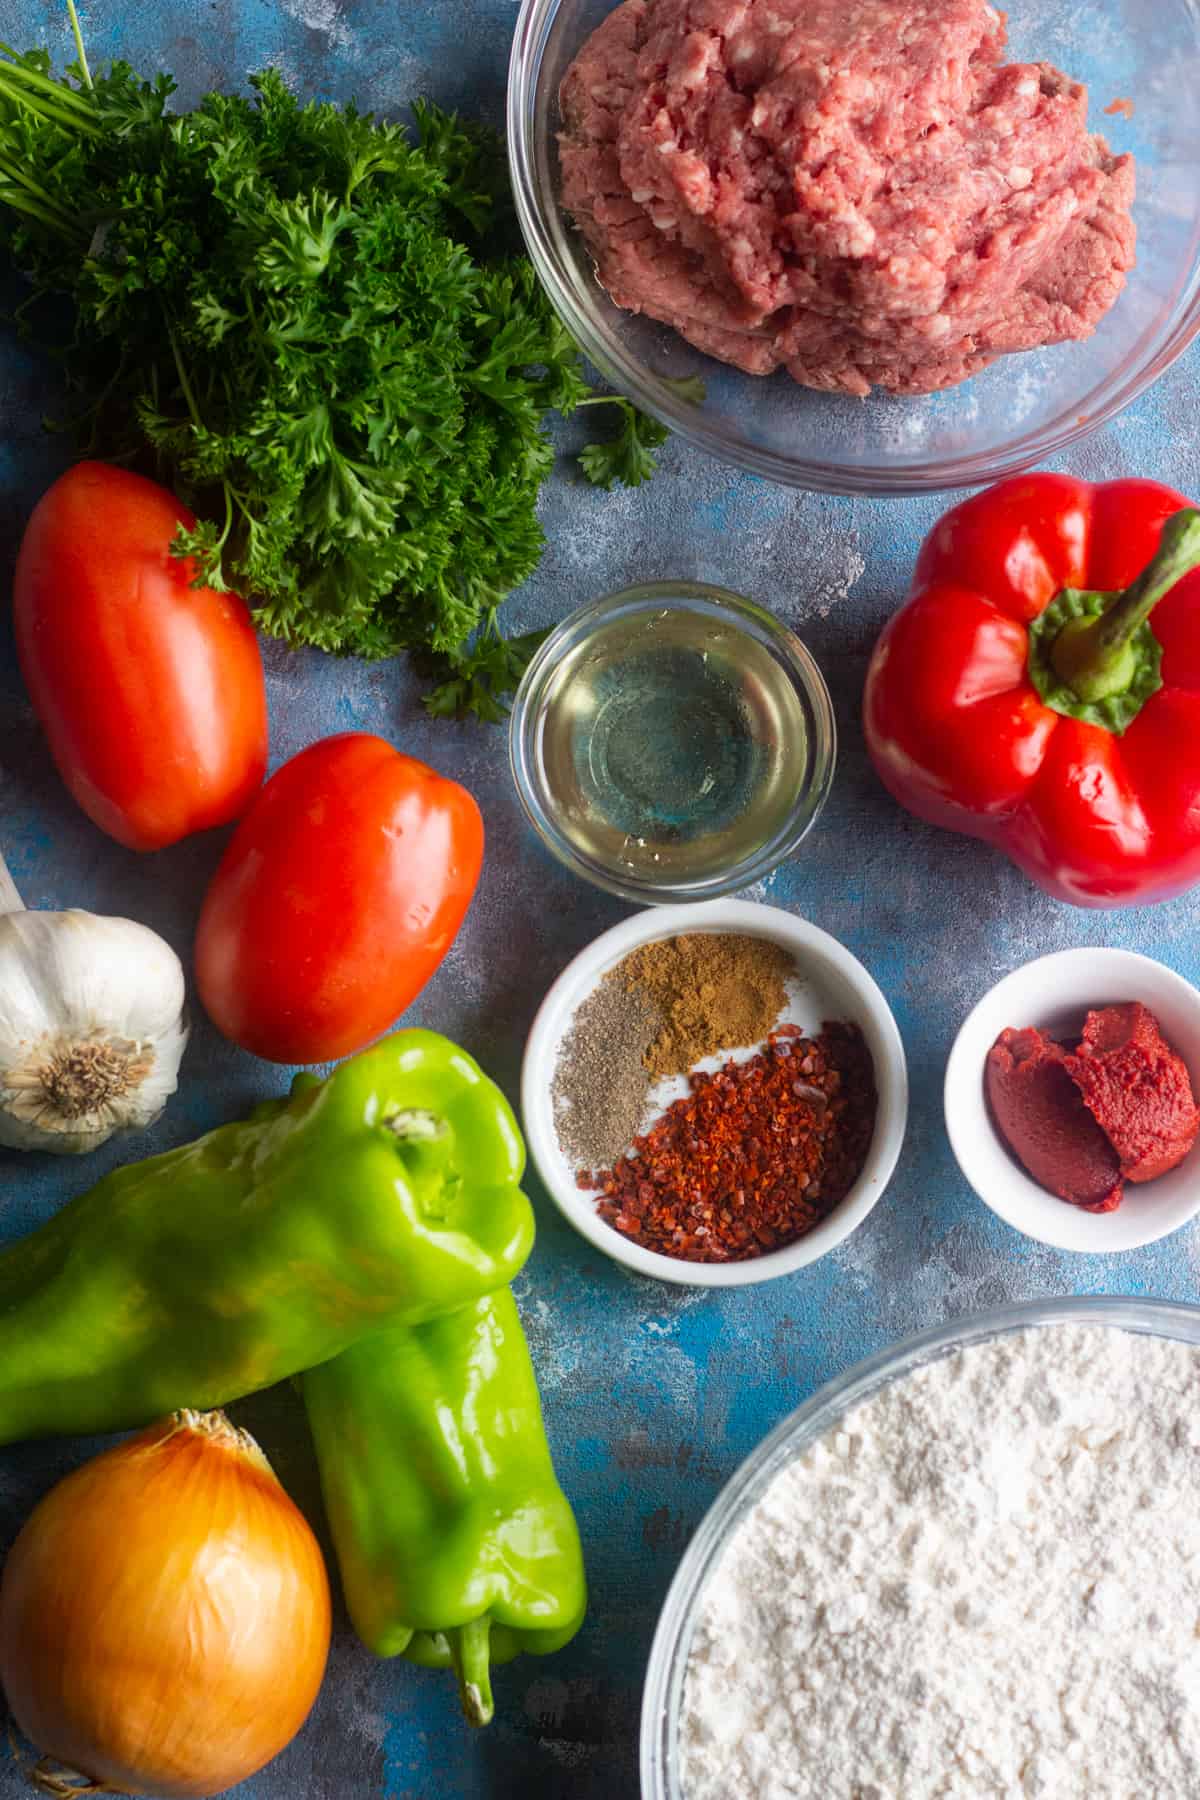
x=165 y=1614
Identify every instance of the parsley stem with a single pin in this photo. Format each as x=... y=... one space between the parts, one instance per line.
x=184 y=384
x=252 y=314
x=42 y=109
x=22 y=201
x=79 y=49
x=34 y=199
x=51 y=99
x=27 y=305
x=224 y=537
x=93 y=411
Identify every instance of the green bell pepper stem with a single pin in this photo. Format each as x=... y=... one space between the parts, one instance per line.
x=472 y=1665
x=431 y=1649
x=1099 y=658
x=472 y=1651
x=268 y=1246
x=456 y=1545
x=430 y=1157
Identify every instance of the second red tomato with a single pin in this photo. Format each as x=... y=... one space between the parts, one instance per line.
x=341 y=891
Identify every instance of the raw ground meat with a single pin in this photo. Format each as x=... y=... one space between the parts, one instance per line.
x=858 y=190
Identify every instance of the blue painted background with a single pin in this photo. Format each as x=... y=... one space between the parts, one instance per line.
x=653 y=1394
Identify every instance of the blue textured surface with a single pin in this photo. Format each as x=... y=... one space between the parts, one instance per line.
x=653 y=1395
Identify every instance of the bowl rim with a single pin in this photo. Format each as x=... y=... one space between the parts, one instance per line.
x=752 y=917
x=1118 y=391
x=807 y=680
x=662 y=1688
x=963 y=1070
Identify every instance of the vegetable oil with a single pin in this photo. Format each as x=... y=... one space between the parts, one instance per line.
x=675 y=743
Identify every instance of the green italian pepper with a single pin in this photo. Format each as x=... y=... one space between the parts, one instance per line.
x=385 y=1194
x=455 y=1542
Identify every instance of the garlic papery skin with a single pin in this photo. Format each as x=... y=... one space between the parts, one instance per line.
x=92 y=1029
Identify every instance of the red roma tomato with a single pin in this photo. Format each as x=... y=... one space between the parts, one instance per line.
x=341 y=892
x=151 y=692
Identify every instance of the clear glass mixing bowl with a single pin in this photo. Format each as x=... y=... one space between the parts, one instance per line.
x=1022 y=410
x=663 y=1695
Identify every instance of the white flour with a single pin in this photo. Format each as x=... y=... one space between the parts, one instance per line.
x=986 y=1583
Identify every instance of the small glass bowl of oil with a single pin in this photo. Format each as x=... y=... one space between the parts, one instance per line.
x=672 y=742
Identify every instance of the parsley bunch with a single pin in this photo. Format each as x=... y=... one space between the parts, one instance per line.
x=323 y=329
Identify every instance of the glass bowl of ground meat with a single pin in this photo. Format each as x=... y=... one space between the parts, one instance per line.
x=880 y=246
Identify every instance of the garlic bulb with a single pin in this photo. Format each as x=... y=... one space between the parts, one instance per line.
x=91 y=1026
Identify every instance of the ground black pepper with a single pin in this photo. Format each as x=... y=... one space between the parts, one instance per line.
x=601 y=1085
x=664 y=1008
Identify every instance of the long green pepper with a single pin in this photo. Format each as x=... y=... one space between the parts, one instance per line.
x=385 y=1195
x=456 y=1545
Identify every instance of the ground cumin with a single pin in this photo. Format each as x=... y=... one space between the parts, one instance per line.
x=715 y=991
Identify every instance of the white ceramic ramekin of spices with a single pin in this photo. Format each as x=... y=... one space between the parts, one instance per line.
x=831 y=985
x=1054 y=994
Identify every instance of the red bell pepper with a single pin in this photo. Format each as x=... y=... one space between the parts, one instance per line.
x=1025 y=697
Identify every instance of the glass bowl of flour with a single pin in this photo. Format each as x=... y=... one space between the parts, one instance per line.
x=968 y=1567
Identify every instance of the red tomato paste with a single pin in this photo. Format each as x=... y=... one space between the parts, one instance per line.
x=1118 y=1107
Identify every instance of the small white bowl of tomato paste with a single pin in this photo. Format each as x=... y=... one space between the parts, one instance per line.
x=1071 y=1100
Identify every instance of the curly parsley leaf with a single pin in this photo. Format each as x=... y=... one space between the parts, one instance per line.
x=477 y=681
x=629 y=456
x=319 y=330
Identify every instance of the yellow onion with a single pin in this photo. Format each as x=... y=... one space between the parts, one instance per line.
x=164 y=1616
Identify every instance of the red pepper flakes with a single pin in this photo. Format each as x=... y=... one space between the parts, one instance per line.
x=753 y=1156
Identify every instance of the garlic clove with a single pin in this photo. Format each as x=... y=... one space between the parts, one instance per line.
x=91 y=1029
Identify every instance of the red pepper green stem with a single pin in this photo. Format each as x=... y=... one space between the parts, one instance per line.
x=1099 y=658
x=471 y=1653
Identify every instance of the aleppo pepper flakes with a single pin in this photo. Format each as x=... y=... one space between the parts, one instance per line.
x=754 y=1156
